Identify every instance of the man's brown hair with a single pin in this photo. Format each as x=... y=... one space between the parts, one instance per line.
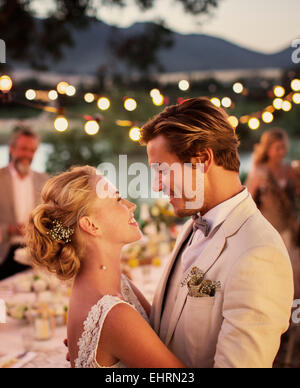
x=195 y=125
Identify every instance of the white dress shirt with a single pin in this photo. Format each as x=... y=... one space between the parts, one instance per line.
x=23 y=193
x=215 y=217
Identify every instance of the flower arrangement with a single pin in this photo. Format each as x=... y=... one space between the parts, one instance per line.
x=162 y=213
x=160 y=231
x=198 y=286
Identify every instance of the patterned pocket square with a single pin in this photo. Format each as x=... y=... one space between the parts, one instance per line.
x=199 y=287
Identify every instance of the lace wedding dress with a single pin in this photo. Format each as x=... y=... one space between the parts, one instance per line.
x=88 y=343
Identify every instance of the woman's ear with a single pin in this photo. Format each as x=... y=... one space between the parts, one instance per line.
x=86 y=224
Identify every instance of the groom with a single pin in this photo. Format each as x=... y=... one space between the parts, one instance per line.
x=239 y=321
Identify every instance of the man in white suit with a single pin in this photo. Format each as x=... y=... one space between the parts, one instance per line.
x=240 y=322
x=20 y=189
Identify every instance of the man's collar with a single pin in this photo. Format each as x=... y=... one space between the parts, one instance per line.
x=219 y=213
x=15 y=173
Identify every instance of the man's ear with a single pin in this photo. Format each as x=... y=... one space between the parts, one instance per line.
x=205 y=157
x=87 y=225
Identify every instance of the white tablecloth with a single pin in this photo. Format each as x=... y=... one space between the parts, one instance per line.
x=14 y=335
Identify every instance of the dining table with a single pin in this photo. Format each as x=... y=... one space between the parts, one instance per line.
x=17 y=341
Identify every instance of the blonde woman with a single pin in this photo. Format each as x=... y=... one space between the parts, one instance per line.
x=272 y=183
x=78 y=233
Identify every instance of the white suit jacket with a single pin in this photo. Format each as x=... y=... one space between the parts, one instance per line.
x=241 y=326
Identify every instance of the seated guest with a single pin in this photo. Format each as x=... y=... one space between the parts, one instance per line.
x=20 y=189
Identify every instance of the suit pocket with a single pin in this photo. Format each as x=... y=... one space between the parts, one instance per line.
x=200 y=302
x=197 y=316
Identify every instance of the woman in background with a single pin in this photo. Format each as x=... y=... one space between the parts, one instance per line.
x=272 y=183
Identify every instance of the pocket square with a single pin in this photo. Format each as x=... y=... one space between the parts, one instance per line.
x=198 y=286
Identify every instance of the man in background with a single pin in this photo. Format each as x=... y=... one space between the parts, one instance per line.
x=20 y=189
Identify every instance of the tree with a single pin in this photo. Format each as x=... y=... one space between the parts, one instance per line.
x=34 y=41
x=140 y=52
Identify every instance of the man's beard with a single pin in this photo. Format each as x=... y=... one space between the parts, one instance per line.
x=21 y=167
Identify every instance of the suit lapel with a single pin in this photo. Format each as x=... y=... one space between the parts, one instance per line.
x=160 y=293
x=8 y=184
x=36 y=188
x=211 y=253
x=209 y=256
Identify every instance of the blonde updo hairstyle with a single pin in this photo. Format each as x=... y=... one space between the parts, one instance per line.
x=65 y=198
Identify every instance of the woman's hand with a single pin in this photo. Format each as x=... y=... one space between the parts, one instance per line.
x=68 y=354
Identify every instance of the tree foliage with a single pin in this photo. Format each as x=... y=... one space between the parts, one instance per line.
x=141 y=51
x=35 y=41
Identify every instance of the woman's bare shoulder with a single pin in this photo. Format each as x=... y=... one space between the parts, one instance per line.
x=122 y=315
x=125 y=326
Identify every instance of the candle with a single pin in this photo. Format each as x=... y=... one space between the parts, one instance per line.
x=42 y=329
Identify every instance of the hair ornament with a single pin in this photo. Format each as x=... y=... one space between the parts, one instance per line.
x=59 y=232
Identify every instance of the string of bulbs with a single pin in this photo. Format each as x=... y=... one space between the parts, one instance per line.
x=282 y=101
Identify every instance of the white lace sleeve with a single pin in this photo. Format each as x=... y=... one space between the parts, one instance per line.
x=88 y=343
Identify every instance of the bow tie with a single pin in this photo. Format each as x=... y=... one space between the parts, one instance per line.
x=200 y=223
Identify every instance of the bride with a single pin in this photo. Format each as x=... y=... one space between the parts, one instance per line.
x=78 y=233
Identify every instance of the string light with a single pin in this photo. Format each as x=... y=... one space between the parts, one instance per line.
x=238 y=88
x=89 y=98
x=70 y=91
x=154 y=93
x=286 y=106
x=135 y=134
x=158 y=100
x=234 y=121
x=244 y=119
x=295 y=85
x=53 y=95
x=130 y=104
x=226 y=102
x=216 y=101
x=124 y=123
x=103 y=103
x=270 y=109
x=296 y=98
x=30 y=94
x=184 y=85
x=267 y=117
x=279 y=91
x=277 y=103
x=62 y=87
x=92 y=127
x=61 y=124
x=5 y=83
x=254 y=124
